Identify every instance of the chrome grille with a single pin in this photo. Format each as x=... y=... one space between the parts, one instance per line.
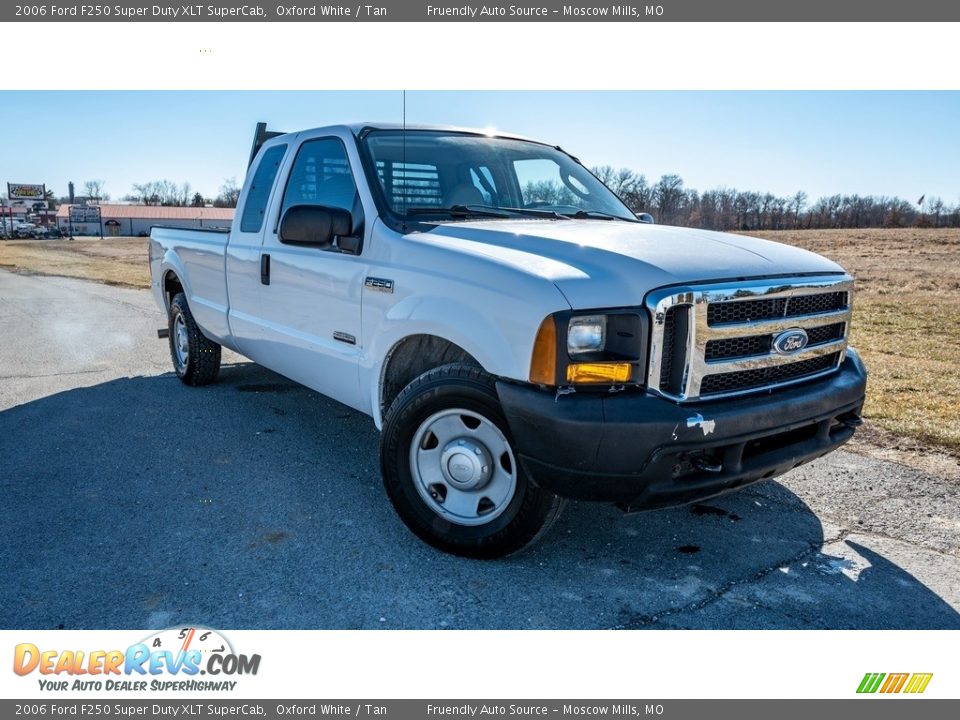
x=762 y=377
x=751 y=345
x=740 y=311
x=739 y=347
x=727 y=347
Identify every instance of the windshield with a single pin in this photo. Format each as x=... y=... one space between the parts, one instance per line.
x=454 y=175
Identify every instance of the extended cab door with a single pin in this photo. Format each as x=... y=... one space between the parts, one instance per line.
x=310 y=296
x=244 y=252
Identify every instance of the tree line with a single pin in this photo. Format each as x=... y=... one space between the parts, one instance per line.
x=672 y=203
x=159 y=192
x=668 y=199
x=166 y=192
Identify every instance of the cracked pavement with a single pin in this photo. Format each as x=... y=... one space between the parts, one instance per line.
x=133 y=501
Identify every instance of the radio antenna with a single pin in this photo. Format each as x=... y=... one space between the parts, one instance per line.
x=403 y=153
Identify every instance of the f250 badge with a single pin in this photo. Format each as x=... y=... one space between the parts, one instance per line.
x=790 y=341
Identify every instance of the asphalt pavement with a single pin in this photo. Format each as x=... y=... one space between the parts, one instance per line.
x=132 y=501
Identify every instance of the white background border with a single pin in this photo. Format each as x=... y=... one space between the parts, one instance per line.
x=530 y=664
x=522 y=664
x=575 y=56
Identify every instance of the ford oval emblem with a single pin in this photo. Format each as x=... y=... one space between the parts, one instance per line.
x=790 y=341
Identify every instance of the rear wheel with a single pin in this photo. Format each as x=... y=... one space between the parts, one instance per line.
x=450 y=469
x=196 y=358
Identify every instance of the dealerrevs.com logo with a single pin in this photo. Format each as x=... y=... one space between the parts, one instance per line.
x=910 y=683
x=169 y=660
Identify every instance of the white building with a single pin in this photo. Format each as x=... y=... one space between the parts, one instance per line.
x=137 y=220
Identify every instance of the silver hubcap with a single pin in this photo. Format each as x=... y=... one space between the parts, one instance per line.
x=181 y=341
x=463 y=467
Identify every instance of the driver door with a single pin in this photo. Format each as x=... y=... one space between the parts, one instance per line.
x=310 y=296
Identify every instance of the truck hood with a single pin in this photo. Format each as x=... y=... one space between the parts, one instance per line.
x=598 y=263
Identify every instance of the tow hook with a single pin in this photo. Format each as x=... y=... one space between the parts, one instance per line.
x=703 y=464
x=851 y=421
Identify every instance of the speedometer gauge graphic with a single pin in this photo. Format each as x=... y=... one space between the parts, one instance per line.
x=182 y=639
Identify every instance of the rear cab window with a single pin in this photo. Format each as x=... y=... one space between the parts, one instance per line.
x=255 y=205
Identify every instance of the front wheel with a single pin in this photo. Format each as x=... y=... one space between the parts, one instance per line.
x=450 y=469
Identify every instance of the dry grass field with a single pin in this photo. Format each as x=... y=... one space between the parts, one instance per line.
x=906 y=326
x=906 y=315
x=115 y=261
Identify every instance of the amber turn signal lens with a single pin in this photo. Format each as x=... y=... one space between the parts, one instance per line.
x=598 y=372
x=543 y=365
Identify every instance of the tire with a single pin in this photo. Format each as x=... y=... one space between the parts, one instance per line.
x=449 y=468
x=196 y=358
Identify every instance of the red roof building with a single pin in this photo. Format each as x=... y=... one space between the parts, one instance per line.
x=138 y=219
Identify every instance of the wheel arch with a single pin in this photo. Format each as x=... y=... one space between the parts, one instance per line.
x=173 y=278
x=410 y=357
x=171 y=285
x=489 y=332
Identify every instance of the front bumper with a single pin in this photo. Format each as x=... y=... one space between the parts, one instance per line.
x=642 y=451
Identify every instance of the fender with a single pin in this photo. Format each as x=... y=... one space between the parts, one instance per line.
x=211 y=318
x=171 y=263
x=502 y=348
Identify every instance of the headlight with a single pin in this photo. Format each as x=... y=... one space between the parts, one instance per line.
x=597 y=349
x=586 y=334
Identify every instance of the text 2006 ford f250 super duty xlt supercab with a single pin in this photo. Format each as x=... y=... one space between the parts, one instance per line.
x=512 y=328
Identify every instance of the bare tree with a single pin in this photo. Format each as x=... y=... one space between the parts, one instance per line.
x=605 y=174
x=936 y=208
x=229 y=194
x=631 y=187
x=162 y=192
x=146 y=193
x=667 y=195
x=94 y=189
x=797 y=203
x=182 y=195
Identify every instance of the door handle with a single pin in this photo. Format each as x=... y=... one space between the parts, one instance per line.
x=265 y=269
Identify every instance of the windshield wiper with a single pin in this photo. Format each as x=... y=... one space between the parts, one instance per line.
x=596 y=215
x=486 y=211
x=532 y=212
x=458 y=211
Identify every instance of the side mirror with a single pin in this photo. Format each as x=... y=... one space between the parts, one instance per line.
x=646 y=218
x=314 y=225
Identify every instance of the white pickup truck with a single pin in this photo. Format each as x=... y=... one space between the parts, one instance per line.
x=515 y=331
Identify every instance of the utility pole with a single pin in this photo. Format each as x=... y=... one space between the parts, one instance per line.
x=70 y=197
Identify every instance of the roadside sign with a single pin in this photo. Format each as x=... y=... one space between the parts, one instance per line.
x=21 y=191
x=82 y=214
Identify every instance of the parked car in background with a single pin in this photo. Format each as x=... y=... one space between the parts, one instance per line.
x=25 y=230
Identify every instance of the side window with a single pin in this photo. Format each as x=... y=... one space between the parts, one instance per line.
x=256 y=203
x=321 y=176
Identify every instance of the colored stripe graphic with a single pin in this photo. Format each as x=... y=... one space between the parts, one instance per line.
x=918 y=682
x=894 y=683
x=870 y=682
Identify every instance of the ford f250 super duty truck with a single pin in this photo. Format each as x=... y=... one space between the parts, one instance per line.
x=517 y=334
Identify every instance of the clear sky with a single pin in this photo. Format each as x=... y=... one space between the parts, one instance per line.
x=881 y=143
